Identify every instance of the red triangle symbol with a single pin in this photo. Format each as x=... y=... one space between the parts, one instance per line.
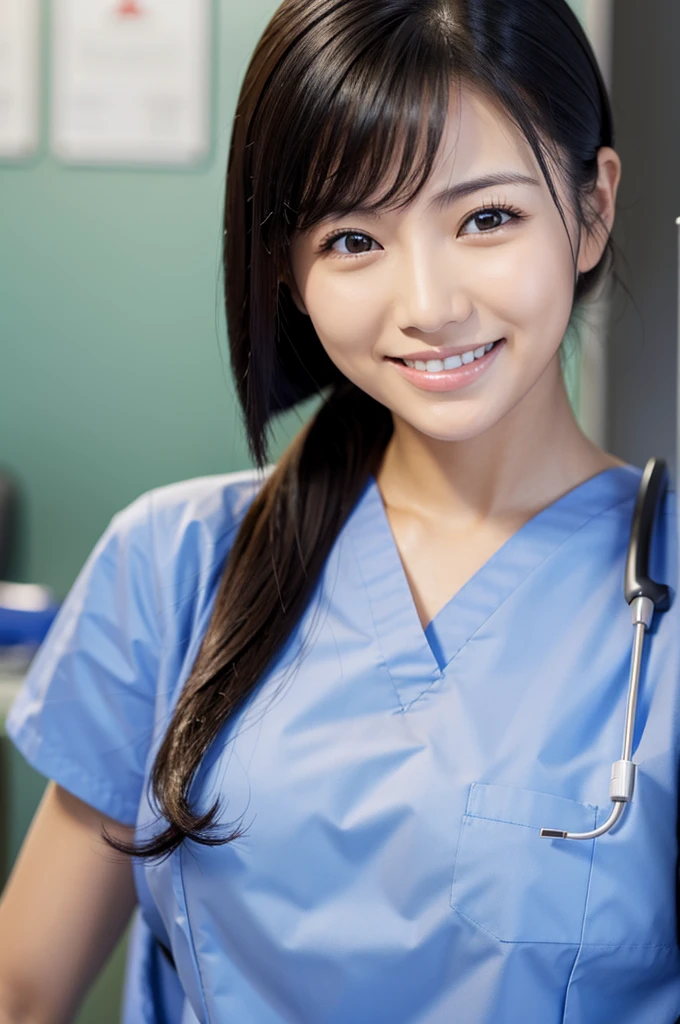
x=129 y=8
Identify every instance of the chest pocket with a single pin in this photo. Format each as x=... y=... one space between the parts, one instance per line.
x=509 y=880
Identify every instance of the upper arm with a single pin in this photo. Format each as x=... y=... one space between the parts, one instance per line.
x=63 y=910
x=85 y=713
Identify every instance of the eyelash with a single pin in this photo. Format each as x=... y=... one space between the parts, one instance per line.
x=326 y=245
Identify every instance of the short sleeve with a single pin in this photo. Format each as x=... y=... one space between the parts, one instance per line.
x=84 y=715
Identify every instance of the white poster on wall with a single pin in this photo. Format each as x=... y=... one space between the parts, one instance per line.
x=131 y=81
x=19 y=78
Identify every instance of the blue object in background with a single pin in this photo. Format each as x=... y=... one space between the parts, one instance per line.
x=26 y=613
x=22 y=627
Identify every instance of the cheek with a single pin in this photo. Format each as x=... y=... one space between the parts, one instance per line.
x=346 y=314
x=530 y=285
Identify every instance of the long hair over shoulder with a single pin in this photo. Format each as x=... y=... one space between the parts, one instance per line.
x=335 y=89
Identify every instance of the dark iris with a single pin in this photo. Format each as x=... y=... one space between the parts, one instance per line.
x=483 y=219
x=361 y=239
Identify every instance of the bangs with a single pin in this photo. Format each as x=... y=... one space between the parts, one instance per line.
x=343 y=108
x=367 y=133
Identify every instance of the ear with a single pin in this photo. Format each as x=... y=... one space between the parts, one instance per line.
x=602 y=203
x=287 y=279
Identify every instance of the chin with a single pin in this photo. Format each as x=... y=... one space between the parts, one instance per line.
x=449 y=432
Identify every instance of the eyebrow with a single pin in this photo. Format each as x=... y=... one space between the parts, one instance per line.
x=449 y=195
x=466 y=188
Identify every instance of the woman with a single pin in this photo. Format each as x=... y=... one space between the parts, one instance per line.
x=329 y=707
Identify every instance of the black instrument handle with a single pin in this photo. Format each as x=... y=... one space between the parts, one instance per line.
x=9 y=521
x=637 y=582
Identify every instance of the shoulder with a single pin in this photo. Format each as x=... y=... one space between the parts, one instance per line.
x=167 y=546
x=176 y=538
x=203 y=509
x=217 y=502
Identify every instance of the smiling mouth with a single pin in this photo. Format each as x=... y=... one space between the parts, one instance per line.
x=451 y=363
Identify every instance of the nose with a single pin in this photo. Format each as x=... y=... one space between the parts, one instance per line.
x=429 y=293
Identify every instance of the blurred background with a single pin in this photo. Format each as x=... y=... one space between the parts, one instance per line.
x=113 y=369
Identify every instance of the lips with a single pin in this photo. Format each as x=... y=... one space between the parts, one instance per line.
x=425 y=355
x=466 y=375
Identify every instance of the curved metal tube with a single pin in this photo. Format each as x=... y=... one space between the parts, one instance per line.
x=643 y=596
x=617 y=811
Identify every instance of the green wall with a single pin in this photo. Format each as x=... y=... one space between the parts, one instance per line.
x=113 y=370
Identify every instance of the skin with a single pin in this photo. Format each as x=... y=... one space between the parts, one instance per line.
x=464 y=469
x=63 y=910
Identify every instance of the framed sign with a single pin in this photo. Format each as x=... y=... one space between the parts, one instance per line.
x=19 y=78
x=131 y=81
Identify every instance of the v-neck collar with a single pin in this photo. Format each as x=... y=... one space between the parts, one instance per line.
x=416 y=657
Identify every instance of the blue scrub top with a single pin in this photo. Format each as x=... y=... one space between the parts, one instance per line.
x=393 y=782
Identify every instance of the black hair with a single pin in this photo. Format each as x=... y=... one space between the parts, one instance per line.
x=334 y=89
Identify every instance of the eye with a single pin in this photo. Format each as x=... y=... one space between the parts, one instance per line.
x=357 y=243
x=488 y=218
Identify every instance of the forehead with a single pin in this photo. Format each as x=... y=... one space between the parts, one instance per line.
x=479 y=140
x=479 y=136
x=475 y=145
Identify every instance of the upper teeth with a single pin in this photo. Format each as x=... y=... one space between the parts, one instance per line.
x=452 y=363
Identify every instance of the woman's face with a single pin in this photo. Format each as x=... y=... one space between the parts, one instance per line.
x=447 y=277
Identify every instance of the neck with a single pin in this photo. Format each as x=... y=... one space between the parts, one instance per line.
x=526 y=460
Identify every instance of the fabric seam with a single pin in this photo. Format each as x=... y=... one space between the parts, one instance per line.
x=155 y=562
x=505 y=821
x=190 y=934
x=102 y=786
x=583 y=928
x=381 y=657
x=524 y=582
